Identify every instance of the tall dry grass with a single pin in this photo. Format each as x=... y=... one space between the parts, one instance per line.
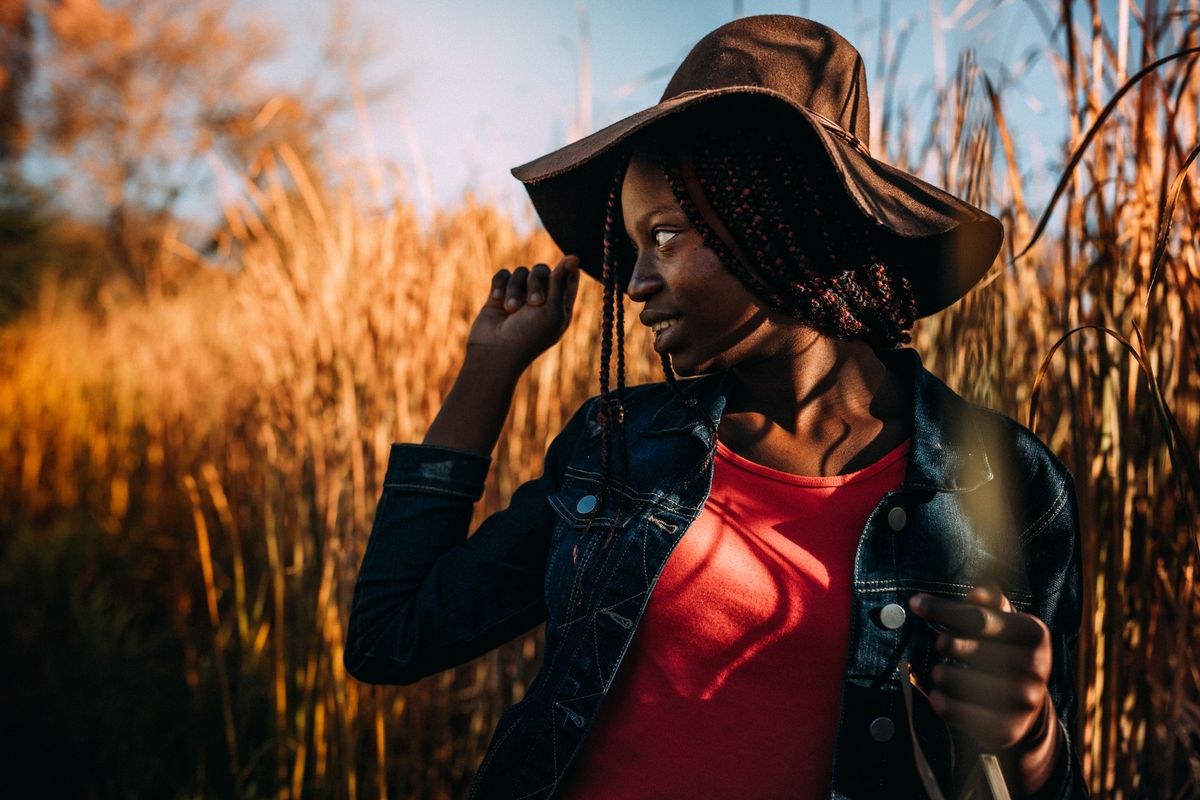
x=237 y=431
x=1093 y=339
x=245 y=425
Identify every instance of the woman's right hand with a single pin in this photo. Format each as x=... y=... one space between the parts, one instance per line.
x=526 y=313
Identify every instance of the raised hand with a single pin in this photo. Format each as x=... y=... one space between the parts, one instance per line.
x=527 y=311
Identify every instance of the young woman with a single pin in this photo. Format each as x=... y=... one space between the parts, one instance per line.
x=806 y=569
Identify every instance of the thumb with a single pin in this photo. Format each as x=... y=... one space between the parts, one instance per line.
x=570 y=286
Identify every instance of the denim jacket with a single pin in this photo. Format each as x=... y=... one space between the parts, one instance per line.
x=983 y=497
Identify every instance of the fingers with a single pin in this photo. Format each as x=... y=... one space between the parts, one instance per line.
x=564 y=284
x=499 y=286
x=514 y=295
x=987 y=724
x=539 y=280
x=993 y=681
x=521 y=286
x=1000 y=693
x=974 y=621
x=989 y=594
x=996 y=658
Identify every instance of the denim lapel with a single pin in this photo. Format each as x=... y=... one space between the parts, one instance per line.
x=947 y=452
x=710 y=392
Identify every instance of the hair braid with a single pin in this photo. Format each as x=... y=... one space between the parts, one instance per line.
x=813 y=250
x=619 y=299
x=690 y=403
x=611 y=405
x=710 y=237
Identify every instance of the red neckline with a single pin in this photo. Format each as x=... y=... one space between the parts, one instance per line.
x=813 y=480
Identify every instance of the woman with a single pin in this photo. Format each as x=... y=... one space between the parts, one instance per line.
x=879 y=584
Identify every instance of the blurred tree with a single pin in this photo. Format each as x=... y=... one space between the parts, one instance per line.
x=133 y=97
x=22 y=236
x=38 y=242
x=16 y=43
x=21 y=223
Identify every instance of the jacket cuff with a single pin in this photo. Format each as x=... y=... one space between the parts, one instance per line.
x=436 y=469
x=1065 y=782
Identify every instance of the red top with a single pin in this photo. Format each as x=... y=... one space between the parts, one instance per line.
x=731 y=687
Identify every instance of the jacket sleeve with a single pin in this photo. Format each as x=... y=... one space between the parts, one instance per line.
x=429 y=597
x=1052 y=545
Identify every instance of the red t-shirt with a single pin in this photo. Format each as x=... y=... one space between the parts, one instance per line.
x=731 y=687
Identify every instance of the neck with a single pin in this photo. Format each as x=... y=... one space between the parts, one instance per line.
x=815 y=383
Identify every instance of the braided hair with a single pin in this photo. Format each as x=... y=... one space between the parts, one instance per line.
x=792 y=238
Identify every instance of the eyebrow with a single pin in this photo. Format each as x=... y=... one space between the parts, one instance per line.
x=659 y=209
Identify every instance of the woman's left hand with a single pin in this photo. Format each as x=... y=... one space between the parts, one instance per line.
x=995 y=682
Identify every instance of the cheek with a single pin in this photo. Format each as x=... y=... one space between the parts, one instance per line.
x=706 y=279
x=724 y=332
x=722 y=308
x=727 y=302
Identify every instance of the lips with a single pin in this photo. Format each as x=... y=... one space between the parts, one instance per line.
x=663 y=325
x=650 y=318
x=664 y=332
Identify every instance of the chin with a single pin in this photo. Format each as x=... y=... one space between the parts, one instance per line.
x=686 y=368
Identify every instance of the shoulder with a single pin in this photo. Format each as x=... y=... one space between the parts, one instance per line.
x=1036 y=481
x=1029 y=449
x=1028 y=507
x=642 y=401
x=1014 y=453
x=1032 y=482
x=1024 y=479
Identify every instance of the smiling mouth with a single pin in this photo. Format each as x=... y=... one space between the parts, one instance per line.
x=662 y=326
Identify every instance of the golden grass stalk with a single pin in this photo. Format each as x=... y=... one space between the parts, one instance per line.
x=245 y=422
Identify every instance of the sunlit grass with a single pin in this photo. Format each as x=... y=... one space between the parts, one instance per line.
x=239 y=430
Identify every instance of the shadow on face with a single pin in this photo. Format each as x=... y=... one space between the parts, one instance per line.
x=716 y=322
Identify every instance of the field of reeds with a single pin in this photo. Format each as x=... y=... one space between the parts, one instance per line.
x=187 y=479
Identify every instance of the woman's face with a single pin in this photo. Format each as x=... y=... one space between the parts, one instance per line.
x=715 y=321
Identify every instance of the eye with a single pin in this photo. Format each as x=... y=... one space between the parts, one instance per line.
x=662 y=236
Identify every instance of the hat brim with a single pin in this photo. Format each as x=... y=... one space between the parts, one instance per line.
x=948 y=244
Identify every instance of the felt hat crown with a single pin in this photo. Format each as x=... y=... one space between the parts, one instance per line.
x=761 y=67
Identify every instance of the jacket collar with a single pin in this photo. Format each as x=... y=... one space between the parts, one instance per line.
x=947 y=452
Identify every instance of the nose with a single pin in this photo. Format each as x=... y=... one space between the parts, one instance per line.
x=644 y=282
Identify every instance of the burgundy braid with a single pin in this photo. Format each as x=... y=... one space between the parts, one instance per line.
x=611 y=406
x=711 y=240
x=813 y=248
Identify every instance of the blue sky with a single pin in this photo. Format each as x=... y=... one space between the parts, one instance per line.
x=475 y=88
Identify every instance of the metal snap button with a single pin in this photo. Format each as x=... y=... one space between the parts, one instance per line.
x=586 y=504
x=897 y=518
x=882 y=729
x=892 y=616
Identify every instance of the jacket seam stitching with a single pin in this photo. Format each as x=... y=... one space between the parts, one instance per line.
x=631 y=493
x=536 y=791
x=1047 y=516
x=421 y=487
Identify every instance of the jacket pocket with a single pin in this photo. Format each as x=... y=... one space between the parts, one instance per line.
x=576 y=549
x=579 y=499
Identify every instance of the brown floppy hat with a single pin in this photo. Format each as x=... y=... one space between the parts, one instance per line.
x=751 y=68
